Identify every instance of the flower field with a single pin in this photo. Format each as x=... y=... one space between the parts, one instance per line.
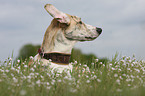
x=119 y=77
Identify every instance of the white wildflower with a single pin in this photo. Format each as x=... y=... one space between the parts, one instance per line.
x=10 y=59
x=43 y=64
x=15 y=80
x=85 y=65
x=134 y=87
x=47 y=84
x=37 y=74
x=96 y=60
x=101 y=63
x=32 y=69
x=128 y=69
x=87 y=69
x=92 y=64
x=129 y=61
x=123 y=74
x=88 y=81
x=113 y=68
x=121 y=77
x=75 y=62
x=29 y=80
x=38 y=82
x=2 y=70
x=87 y=76
x=12 y=74
x=115 y=75
x=94 y=77
x=24 y=77
x=18 y=61
x=12 y=68
x=78 y=86
x=127 y=80
x=79 y=75
x=78 y=81
x=59 y=80
x=73 y=90
x=100 y=72
x=129 y=85
x=122 y=61
x=48 y=88
x=132 y=65
x=137 y=70
x=93 y=72
x=48 y=74
x=38 y=62
x=53 y=81
x=25 y=66
x=132 y=76
x=98 y=80
x=22 y=92
x=119 y=90
x=128 y=58
x=34 y=66
x=119 y=70
x=31 y=57
x=18 y=84
x=124 y=64
x=41 y=76
x=118 y=81
x=29 y=77
x=17 y=70
x=137 y=76
x=19 y=67
x=66 y=77
x=32 y=74
x=10 y=63
x=7 y=71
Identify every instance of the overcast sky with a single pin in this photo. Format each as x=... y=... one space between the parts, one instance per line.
x=122 y=21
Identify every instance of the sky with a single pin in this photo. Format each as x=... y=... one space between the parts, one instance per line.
x=122 y=21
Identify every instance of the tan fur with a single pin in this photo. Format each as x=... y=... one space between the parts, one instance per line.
x=50 y=35
x=64 y=31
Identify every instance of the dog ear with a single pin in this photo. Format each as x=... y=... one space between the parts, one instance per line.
x=58 y=15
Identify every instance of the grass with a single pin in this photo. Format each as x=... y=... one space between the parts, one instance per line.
x=119 y=77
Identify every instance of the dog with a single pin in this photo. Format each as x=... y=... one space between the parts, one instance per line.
x=63 y=33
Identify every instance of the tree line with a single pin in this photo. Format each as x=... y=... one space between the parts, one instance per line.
x=77 y=55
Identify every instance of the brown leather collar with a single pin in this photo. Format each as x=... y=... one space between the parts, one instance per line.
x=58 y=58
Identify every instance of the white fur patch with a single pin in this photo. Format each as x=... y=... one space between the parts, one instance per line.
x=55 y=67
x=61 y=68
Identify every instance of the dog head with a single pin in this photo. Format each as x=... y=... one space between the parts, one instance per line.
x=72 y=26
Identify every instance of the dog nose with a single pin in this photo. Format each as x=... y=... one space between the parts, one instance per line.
x=99 y=30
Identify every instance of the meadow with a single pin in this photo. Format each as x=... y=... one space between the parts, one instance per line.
x=123 y=76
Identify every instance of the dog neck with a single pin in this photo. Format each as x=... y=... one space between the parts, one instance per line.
x=59 y=58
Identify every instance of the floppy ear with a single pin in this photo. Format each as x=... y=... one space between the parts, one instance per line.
x=55 y=13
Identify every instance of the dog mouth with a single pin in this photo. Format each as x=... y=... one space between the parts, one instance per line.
x=90 y=38
x=86 y=38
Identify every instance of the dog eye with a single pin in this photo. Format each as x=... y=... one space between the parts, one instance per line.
x=81 y=22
